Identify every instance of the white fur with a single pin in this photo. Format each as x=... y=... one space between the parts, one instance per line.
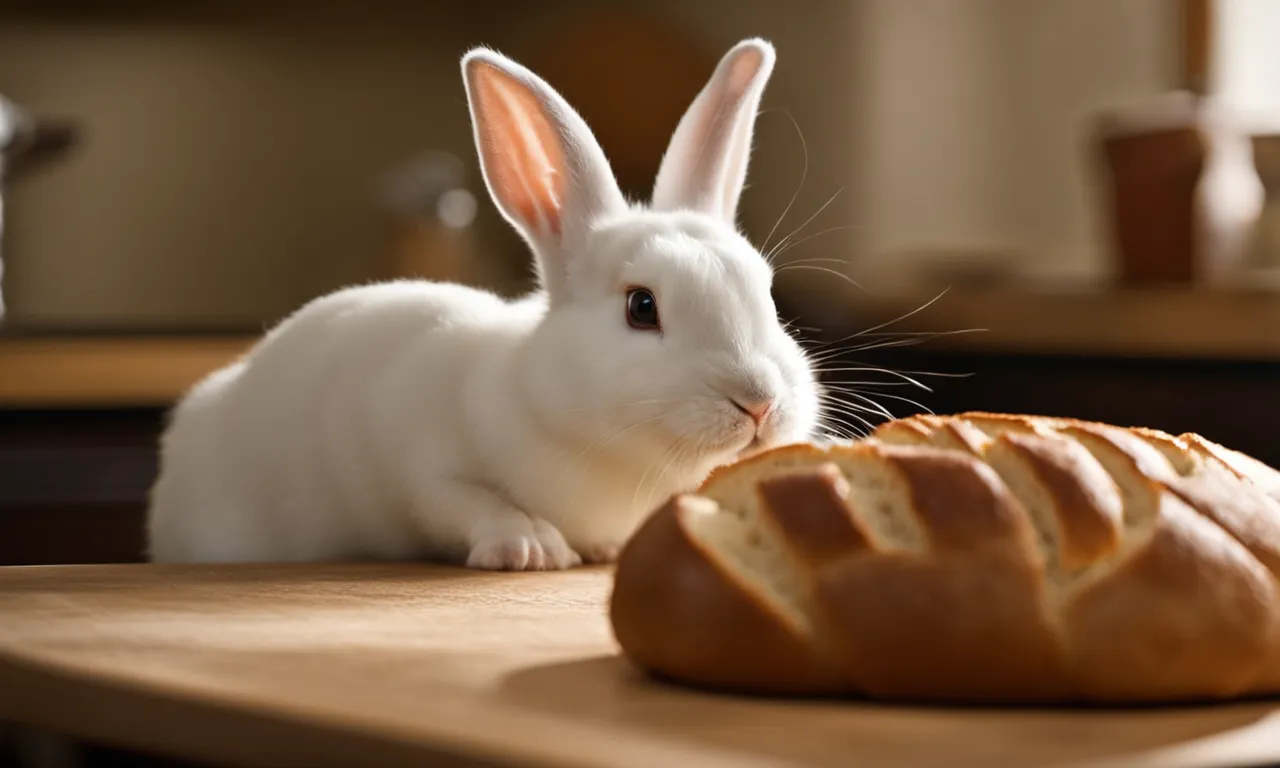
x=427 y=420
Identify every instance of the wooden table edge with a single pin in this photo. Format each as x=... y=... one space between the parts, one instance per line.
x=186 y=722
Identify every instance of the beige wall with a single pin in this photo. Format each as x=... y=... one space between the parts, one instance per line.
x=977 y=117
x=1246 y=75
x=228 y=169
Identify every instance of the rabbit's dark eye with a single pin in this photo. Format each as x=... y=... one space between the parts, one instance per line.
x=642 y=310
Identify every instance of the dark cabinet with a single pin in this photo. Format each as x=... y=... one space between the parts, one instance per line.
x=1231 y=402
x=73 y=483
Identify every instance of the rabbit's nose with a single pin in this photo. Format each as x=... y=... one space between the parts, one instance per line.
x=757 y=408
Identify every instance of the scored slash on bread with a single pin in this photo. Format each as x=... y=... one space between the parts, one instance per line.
x=971 y=558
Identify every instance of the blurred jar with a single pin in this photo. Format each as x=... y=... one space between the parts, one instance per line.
x=432 y=216
x=1265 y=240
x=1183 y=192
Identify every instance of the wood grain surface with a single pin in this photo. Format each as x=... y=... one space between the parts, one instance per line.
x=391 y=665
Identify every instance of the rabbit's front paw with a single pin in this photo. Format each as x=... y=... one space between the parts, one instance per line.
x=539 y=547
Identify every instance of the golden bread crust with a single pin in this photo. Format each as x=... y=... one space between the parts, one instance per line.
x=955 y=627
x=818 y=526
x=799 y=452
x=729 y=637
x=1090 y=527
x=1189 y=615
x=978 y=557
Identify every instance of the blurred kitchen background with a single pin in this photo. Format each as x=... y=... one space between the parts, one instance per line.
x=1055 y=207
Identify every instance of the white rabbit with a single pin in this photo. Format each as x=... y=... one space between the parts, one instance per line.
x=417 y=420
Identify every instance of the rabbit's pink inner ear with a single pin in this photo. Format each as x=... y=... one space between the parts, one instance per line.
x=742 y=73
x=521 y=147
x=706 y=163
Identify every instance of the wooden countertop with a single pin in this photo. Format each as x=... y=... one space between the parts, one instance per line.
x=89 y=371
x=389 y=665
x=1155 y=323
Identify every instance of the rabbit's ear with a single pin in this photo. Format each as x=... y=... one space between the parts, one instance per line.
x=541 y=164
x=705 y=166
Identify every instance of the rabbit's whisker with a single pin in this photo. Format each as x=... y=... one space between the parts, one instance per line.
x=853 y=412
x=831 y=383
x=804 y=173
x=898 y=319
x=815 y=268
x=846 y=406
x=887 y=371
x=674 y=461
x=635 y=496
x=599 y=445
x=855 y=393
x=877 y=340
x=782 y=244
x=842 y=427
x=796 y=243
x=876 y=407
x=905 y=375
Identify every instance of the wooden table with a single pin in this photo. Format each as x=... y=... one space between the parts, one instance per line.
x=392 y=665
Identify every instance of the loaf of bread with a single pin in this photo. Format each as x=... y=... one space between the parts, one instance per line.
x=975 y=558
